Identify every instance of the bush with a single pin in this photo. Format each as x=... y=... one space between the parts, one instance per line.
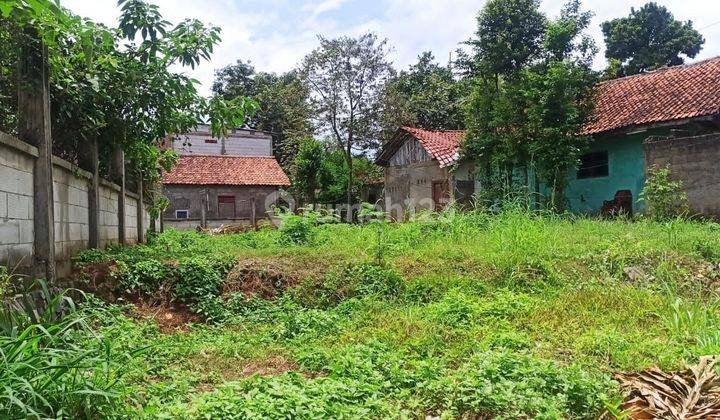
x=352 y=281
x=510 y=384
x=665 y=198
x=144 y=276
x=196 y=279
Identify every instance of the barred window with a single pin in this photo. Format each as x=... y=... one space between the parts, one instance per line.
x=593 y=165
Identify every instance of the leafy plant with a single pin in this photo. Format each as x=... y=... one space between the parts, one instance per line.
x=665 y=197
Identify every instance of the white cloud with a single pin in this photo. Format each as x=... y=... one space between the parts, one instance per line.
x=275 y=35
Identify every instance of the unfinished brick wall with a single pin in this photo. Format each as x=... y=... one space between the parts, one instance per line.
x=694 y=161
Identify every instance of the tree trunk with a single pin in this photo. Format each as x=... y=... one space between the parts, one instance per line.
x=350 y=183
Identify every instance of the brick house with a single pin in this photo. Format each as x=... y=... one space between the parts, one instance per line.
x=222 y=181
x=669 y=116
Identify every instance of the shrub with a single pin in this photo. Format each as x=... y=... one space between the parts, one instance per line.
x=144 y=276
x=511 y=384
x=665 y=198
x=352 y=281
x=196 y=279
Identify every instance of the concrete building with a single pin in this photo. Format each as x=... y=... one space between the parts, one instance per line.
x=666 y=117
x=222 y=181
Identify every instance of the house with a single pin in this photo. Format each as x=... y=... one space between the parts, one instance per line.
x=417 y=166
x=228 y=181
x=669 y=116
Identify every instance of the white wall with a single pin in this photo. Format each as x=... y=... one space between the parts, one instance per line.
x=240 y=143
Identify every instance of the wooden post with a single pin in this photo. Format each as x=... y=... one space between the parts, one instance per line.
x=34 y=128
x=140 y=206
x=203 y=209
x=254 y=220
x=94 y=194
x=119 y=167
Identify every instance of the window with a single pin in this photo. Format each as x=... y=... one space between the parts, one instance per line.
x=226 y=206
x=210 y=140
x=593 y=165
x=182 y=214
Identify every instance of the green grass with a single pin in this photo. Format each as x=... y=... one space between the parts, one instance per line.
x=470 y=314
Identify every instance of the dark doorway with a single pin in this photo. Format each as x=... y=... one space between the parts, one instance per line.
x=440 y=194
x=226 y=206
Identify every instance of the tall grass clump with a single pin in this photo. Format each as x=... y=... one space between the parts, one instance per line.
x=53 y=364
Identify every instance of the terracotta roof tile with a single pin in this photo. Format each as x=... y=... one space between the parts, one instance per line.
x=227 y=170
x=441 y=145
x=670 y=94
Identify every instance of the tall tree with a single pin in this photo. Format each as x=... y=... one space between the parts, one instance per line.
x=309 y=168
x=530 y=116
x=509 y=35
x=282 y=100
x=427 y=95
x=345 y=77
x=649 y=38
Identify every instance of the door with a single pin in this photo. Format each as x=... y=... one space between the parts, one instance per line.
x=226 y=206
x=440 y=194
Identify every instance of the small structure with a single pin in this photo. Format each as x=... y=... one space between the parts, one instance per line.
x=666 y=117
x=417 y=175
x=216 y=182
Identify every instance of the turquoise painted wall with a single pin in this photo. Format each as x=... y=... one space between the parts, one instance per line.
x=625 y=172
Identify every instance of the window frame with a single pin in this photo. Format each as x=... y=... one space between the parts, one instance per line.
x=187 y=214
x=596 y=169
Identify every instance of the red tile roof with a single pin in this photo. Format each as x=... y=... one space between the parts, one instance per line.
x=441 y=145
x=670 y=94
x=227 y=170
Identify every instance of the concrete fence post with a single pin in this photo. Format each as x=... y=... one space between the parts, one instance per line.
x=34 y=128
x=93 y=194
x=140 y=207
x=119 y=175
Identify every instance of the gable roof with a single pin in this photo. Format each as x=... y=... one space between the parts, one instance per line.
x=441 y=145
x=665 y=95
x=226 y=170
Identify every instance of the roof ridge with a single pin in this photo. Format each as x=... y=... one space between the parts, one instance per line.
x=661 y=70
x=228 y=156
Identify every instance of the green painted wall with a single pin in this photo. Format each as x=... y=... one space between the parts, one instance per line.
x=625 y=172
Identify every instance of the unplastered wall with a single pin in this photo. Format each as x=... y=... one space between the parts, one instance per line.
x=71 y=187
x=16 y=201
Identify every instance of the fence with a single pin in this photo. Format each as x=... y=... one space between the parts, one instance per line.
x=72 y=207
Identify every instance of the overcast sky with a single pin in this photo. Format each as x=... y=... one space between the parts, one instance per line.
x=276 y=34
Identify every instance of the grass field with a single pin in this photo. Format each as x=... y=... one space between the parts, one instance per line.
x=458 y=315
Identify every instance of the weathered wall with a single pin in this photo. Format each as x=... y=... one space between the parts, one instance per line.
x=16 y=200
x=190 y=197
x=625 y=172
x=408 y=188
x=239 y=143
x=71 y=187
x=694 y=161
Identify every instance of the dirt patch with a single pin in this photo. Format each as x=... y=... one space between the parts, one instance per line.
x=267 y=278
x=170 y=317
x=100 y=279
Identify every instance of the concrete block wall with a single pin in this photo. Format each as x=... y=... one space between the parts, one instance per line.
x=131 y=234
x=16 y=201
x=71 y=188
x=71 y=207
x=694 y=161
x=108 y=224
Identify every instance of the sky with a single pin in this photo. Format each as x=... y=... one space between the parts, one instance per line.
x=275 y=34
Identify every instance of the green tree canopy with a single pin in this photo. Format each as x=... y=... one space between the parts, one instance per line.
x=649 y=38
x=346 y=77
x=426 y=95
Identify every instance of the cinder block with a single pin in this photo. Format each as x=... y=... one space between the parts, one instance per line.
x=19 y=206
x=26 y=230
x=9 y=232
x=3 y=205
